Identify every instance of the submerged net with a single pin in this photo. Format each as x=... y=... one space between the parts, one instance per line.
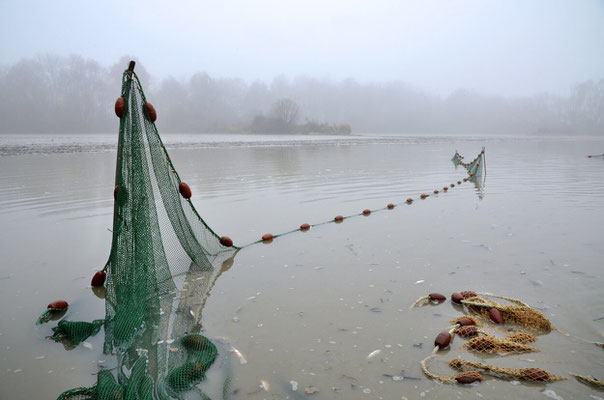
x=160 y=268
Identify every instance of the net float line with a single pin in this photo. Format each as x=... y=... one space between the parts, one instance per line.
x=589 y=380
x=341 y=218
x=595 y=155
x=535 y=375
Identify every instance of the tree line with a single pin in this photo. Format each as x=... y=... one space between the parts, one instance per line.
x=70 y=94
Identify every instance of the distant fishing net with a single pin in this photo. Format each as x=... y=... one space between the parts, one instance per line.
x=160 y=247
x=476 y=167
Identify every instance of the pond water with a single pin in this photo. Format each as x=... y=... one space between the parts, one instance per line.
x=310 y=307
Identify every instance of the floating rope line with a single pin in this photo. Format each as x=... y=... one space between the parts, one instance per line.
x=268 y=237
x=592 y=381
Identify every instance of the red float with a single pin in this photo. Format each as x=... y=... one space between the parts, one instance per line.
x=58 y=305
x=445 y=189
x=151 y=111
x=338 y=218
x=98 y=279
x=496 y=316
x=456 y=298
x=409 y=200
x=304 y=227
x=466 y=294
x=390 y=206
x=442 y=340
x=459 y=182
x=184 y=190
x=226 y=241
x=452 y=185
x=366 y=212
x=423 y=196
x=465 y=321
x=468 y=331
x=267 y=237
x=435 y=191
x=437 y=297
x=468 y=377
x=465 y=179
x=120 y=104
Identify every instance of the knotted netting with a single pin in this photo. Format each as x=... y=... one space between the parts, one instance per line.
x=159 y=273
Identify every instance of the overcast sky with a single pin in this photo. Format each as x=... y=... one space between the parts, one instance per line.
x=500 y=47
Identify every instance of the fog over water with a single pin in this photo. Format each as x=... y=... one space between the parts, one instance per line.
x=388 y=66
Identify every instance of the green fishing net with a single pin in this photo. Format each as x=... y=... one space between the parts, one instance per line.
x=159 y=273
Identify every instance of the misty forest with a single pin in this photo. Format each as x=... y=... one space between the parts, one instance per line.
x=58 y=94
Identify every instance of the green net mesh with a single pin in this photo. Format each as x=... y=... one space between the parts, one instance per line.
x=159 y=272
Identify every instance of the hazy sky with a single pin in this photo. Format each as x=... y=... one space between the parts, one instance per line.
x=504 y=47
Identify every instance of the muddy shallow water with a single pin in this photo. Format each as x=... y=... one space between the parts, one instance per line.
x=310 y=307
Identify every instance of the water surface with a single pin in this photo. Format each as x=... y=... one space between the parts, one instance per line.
x=311 y=306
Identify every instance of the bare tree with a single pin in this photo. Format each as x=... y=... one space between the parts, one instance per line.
x=285 y=110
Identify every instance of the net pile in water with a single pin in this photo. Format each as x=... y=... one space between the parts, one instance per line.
x=481 y=340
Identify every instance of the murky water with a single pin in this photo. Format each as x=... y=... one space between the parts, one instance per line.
x=310 y=307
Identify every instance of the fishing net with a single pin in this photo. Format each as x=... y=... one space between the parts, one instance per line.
x=160 y=268
x=535 y=375
x=518 y=313
x=495 y=345
x=475 y=167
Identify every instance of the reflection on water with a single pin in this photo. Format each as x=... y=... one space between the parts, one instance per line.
x=310 y=307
